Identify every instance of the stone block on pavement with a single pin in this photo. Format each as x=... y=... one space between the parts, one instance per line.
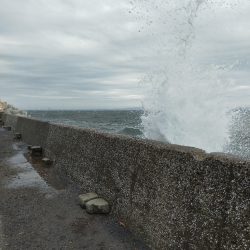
x=97 y=206
x=17 y=136
x=84 y=198
x=36 y=151
x=47 y=162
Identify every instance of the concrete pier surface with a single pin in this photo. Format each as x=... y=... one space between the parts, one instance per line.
x=169 y=196
x=40 y=211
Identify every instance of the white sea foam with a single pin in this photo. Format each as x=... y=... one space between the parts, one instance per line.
x=186 y=102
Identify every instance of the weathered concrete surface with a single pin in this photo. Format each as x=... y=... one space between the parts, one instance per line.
x=11 y=120
x=17 y=136
x=1 y=119
x=173 y=197
x=39 y=212
x=32 y=131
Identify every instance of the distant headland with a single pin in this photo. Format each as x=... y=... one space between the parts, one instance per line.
x=9 y=109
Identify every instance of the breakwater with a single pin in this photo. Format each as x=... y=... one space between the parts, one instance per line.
x=172 y=197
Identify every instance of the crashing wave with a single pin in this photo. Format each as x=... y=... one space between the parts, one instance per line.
x=9 y=109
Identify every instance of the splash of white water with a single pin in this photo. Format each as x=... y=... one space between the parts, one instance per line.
x=186 y=102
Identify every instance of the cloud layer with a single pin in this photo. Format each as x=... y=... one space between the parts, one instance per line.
x=67 y=54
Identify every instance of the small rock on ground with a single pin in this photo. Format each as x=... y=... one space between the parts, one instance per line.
x=17 y=136
x=36 y=150
x=47 y=161
x=97 y=206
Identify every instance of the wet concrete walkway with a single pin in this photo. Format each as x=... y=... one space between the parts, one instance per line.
x=39 y=211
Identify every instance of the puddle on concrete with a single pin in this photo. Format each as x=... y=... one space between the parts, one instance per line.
x=17 y=160
x=28 y=178
x=46 y=172
x=15 y=147
x=19 y=146
x=32 y=173
x=26 y=175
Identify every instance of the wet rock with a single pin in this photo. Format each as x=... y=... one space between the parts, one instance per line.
x=7 y=128
x=84 y=198
x=36 y=151
x=17 y=136
x=97 y=206
x=47 y=162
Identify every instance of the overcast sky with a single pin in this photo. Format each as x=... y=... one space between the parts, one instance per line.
x=79 y=54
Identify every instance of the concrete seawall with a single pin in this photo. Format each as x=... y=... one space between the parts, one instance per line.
x=172 y=197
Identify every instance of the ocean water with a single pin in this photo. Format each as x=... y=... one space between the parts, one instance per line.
x=126 y=122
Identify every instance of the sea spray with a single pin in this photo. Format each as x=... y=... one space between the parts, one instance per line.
x=240 y=133
x=186 y=102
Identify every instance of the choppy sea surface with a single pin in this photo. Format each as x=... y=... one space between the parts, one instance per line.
x=127 y=122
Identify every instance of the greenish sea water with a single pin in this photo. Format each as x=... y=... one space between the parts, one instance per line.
x=127 y=122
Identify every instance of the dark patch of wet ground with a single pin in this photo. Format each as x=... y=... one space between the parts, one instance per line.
x=39 y=211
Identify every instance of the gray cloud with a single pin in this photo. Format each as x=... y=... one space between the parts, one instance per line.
x=92 y=54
